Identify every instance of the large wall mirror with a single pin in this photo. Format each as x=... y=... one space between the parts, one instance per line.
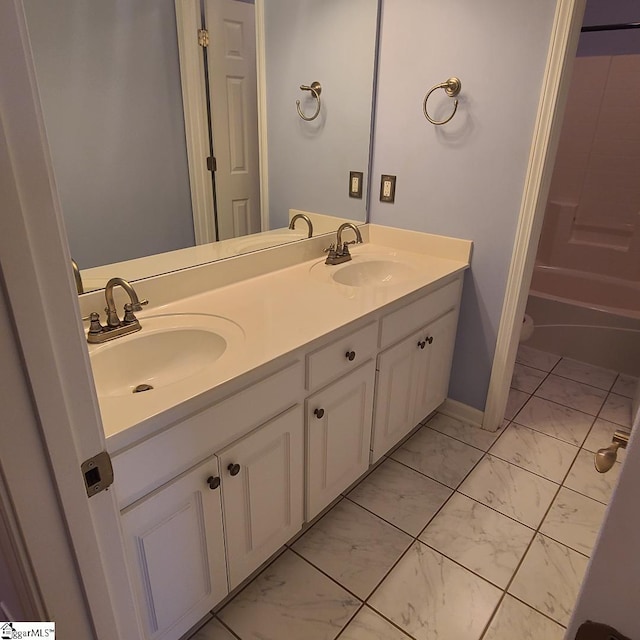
x=112 y=80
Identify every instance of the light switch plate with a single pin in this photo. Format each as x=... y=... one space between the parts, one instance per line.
x=355 y=184
x=387 y=188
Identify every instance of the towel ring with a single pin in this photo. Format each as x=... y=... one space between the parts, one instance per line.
x=452 y=88
x=316 y=90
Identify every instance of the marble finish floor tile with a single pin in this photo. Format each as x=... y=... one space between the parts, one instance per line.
x=400 y=495
x=572 y=394
x=429 y=596
x=213 y=630
x=584 y=478
x=625 y=385
x=574 y=520
x=368 y=625
x=587 y=373
x=555 y=420
x=438 y=456
x=601 y=435
x=549 y=578
x=512 y=491
x=290 y=599
x=516 y=621
x=353 y=546
x=536 y=358
x=515 y=402
x=617 y=409
x=478 y=538
x=535 y=451
x=467 y=433
x=526 y=378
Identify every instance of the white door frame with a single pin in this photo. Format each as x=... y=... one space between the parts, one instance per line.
x=35 y=263
x=553 y=98
x=196 y=122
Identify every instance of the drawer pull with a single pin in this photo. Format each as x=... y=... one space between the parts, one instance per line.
x=319 y=413
x=213 y=482
x=350 y=356
x=234 y=469
x=422 y=343
x=430 y=339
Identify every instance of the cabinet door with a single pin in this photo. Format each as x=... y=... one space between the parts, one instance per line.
x=338 y=436
x=262 y=492
x=174 y=539
x=395 y=394
x=435 y=365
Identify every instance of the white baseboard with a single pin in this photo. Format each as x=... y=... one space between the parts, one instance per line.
x=462 y=412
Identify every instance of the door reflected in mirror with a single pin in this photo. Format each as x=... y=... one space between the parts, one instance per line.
x=128 y=164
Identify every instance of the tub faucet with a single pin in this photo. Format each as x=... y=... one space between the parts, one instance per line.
x=115 y=328
x=605 y=458
x=301 y=216
x=340 y=253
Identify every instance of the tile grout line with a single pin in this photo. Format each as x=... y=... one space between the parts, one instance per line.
x=524 y=556
x=414 y=538
x=455 y=490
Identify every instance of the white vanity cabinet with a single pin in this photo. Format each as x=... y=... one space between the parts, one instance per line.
x=413 y=375
x=174 y=539
x=338 y=416
x=338 y=422
x=434 y=365
x=277 y=451
x=262 y=492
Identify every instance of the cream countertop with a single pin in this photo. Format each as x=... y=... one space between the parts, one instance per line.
x=279 y=312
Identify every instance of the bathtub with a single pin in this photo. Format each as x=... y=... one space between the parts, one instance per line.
x=586 y=316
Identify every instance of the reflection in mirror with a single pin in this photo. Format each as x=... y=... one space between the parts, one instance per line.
x=111 y=80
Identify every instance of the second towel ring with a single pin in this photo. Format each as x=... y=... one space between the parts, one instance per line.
x=316 y=90
x=452 y=88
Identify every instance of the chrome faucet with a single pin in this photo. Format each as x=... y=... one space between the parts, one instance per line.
x=340 y=253
x=115 y=328
x=301 y=216
x=77 y=277
x=348 y=225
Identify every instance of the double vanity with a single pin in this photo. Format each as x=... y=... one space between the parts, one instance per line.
x=241 y=410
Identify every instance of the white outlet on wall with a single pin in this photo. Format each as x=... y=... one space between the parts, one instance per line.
x=388 y=188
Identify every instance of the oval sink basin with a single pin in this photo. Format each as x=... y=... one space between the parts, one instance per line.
x=167 y=350
x=373 y=272
x=366 y=270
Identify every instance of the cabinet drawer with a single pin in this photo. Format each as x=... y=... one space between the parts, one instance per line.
x=341 y=356
x=139 y=470
x=402 y=322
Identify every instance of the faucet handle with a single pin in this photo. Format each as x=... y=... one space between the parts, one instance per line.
x=138 y=305
x=95 y=327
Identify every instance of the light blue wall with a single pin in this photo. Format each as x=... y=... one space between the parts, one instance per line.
x=109 y=84
x=333 y=42
x=464 y=179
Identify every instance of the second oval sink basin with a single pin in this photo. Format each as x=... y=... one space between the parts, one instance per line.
x=366 y=269
x=168 y=349
x=373 y=272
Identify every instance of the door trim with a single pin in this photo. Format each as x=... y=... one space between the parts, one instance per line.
x=196 y=122
x=553 y=98
x=263 y=150
x=44 y=304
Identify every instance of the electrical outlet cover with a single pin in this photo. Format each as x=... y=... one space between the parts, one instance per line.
x=387 y=188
